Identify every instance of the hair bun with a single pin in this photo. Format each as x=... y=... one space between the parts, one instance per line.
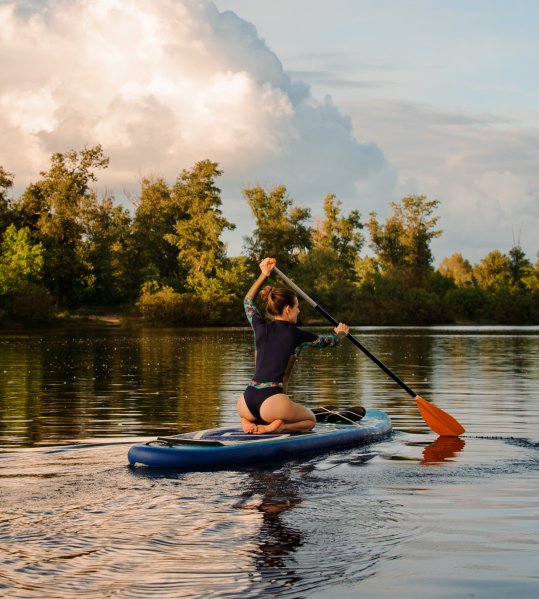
x=277 y=298
x=265 y=293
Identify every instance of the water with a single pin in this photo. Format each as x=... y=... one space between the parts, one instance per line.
x=412 y=516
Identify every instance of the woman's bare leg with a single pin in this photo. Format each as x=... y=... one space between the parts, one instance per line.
x=284 y=416
x=281 y=414
x=276 y=426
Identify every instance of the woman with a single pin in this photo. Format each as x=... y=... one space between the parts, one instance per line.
x=264 y=406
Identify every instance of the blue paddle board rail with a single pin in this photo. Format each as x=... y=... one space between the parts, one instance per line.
x=230 y=447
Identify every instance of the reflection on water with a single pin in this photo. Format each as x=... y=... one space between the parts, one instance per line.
x=272 y=494
x=76 y=520
x=444 y=448
x=57 y=388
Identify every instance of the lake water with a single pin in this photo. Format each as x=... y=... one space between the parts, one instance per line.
x=411 y=516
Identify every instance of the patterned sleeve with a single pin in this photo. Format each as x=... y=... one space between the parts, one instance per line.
x=250 y=309
x=318 y=342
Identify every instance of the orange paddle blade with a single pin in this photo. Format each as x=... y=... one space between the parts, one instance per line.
x=438 y=420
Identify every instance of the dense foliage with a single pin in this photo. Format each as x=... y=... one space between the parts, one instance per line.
x=62 y=247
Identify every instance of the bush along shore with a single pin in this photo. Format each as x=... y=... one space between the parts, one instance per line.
x=71 y=258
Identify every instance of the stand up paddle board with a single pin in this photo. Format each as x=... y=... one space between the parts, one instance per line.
x=229 y=447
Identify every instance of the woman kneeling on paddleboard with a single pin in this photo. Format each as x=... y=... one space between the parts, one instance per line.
x=264 y=406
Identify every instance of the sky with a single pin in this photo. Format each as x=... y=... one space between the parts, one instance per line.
x=371 y=100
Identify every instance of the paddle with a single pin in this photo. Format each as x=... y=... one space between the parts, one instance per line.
x=437 y=420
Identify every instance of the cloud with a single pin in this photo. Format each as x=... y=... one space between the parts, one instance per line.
x=329 y=79
x=161 y=84
x=480 y=166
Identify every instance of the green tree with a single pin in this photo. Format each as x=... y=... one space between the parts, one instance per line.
x=21 y=260
x=216 y=302
x=387 y=241
x=457 y=268
x=519 y=266
x=402 y=243
x=209 y=284
x=281 y=230
x=329 y=267
x=465 y=304
x=107 y=250
x=339 y=235
x=157 y=212
x=197 y=233
x=367 y=271
x=53 y=209
x=493 y=272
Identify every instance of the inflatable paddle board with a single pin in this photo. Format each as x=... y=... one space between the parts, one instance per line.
x=229 y=447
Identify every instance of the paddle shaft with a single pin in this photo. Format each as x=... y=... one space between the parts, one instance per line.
x=333 y=321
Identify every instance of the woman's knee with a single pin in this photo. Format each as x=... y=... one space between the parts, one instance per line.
x=303 y=413
x=307 y=425
x=311 y=415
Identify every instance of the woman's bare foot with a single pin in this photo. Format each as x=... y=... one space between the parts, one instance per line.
x=248 y=426
x=272 y=427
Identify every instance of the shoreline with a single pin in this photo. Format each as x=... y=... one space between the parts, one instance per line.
x=119 y=320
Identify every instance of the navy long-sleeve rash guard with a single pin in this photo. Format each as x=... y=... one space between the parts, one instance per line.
x=276 y=341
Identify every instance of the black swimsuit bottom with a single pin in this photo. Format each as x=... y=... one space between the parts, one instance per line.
x=254 y=398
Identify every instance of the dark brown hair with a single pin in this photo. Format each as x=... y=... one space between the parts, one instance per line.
x=277 y=298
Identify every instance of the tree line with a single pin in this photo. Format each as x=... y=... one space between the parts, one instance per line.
x=64 y=248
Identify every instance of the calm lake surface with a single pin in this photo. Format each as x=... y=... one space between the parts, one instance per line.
x=411 y=516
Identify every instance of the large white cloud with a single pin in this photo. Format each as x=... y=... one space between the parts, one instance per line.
x=482 y=168
x=161 y=84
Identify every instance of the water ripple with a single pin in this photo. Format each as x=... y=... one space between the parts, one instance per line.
x=113 y=531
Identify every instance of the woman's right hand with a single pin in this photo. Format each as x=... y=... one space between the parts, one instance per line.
x=342 y=329
x=267 y=265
